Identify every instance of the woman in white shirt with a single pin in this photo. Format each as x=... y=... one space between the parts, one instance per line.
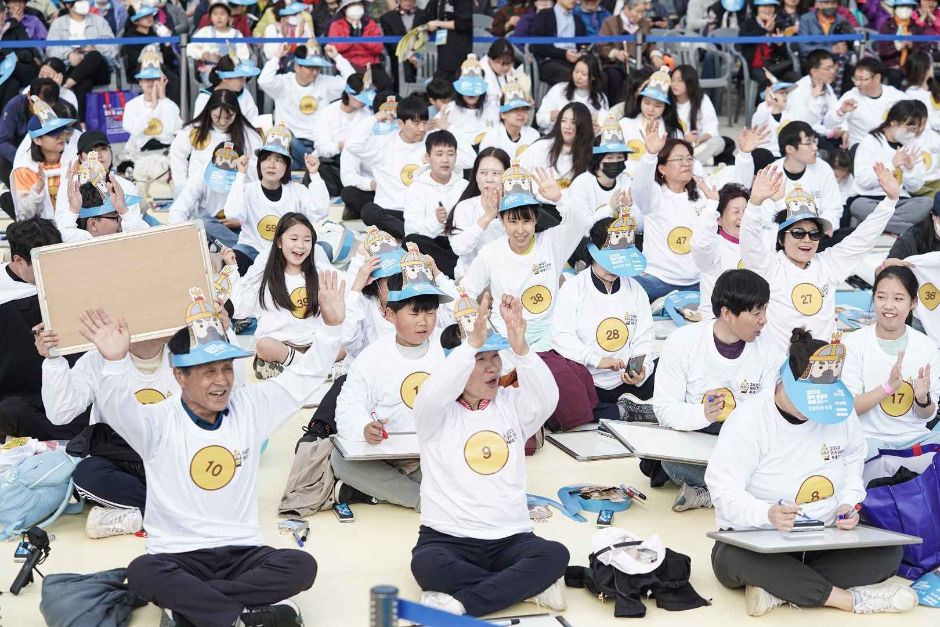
x=471 y=112
x=895 y=143
x=289 y=23
x=474 y=220
x=923 y=85
x=697 y=115
x=889 y=374
x=585 y=86
x=791 y=456
x=651 y=105
x=151 y=119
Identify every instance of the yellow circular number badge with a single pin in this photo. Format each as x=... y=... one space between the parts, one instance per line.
x=299 y=298
x=537 y=299
x=927 y=159
x=807 y=299
x=815 y=488
x=486 y=452
x=154 y=127
x=410 y=387
x=638 y=148
x=408 y=174
x=521 y=149
x=198 y=145
x=212 y=467
x=267 y=226
x=679 y=240
x=149 y=396
x=308 y=104
x=612 y=334
x=929 y=296
x=900 y=402
x=730 y=403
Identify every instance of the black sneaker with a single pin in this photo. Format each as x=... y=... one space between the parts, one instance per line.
x=633 y=409
x=282 y=614
x=345 y=493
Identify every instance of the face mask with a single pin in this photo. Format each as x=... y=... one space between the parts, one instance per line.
x=293 y=20
x=903 y=136
x=612 y=169
x=81 y=7
x=903 y=13
x=828 y=11
x=355 y=12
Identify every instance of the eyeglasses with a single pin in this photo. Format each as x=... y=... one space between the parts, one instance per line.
x=681 y=160
x=812 y=142
x=800 y=234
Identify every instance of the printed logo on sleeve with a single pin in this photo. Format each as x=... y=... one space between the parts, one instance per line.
x=831 y=453
x=815 y=488
x=679 y=240
x=929 y=296
x=807 y=299
x=486 y=452
x=537 y=299
x=213 y=467
x=899 y=403
x=612 y=334
x=267 y=226
x=410 y=387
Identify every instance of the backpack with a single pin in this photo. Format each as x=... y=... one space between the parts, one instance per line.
x=310 y=483
x=36 y=491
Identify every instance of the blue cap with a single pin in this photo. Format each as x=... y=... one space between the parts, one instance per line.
x=366 y=96
x=382 y=245
x=466 y=312
x=244 y=3
x=779 y=86
x=277 y=140
x=517 y=188
x=291 y=9
x=620 y=261
x=7 y=66
x=903 y=3
x=515 y=103
x=107 y=207
x=764 y=3
x=470 y=86
x=143 y=12
x=658 y=85
x=207 y=340
x=245 y=69
x=514 y=97
x=819 y=393
x=45 y=121
x=417 y=278
x=494 y=342
x=315 y=59
x=675 y=301
x=149 y=73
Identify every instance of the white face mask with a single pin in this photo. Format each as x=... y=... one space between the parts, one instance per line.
x=904 y=136
x=293 y=20
x=355 y=12
x=81 y=7
x=903 y=13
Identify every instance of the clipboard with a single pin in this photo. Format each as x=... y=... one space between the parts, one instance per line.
x=773 y=541
x=398 y=446
x=587 y=446
x=651 y=441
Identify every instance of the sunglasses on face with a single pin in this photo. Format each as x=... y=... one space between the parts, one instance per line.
x=800 y=234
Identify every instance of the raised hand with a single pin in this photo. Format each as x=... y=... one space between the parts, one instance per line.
x=767 y=183
x=511 y=311
x=242 y=164
x=116 y=192
x=489 y=200
x=228 y=256
x=331 y=297
x=847 y=107
x=364 y=276
x=44 y=339
x=751 y=138
x=548 y=186
x=709 y=192
x=74 y=195
x=889 y=184
x=112 y=339
x=922 y=385
x=312 y=162
x=480 y=327
x=653 y=140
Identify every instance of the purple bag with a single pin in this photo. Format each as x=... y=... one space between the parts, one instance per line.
x=912 y=507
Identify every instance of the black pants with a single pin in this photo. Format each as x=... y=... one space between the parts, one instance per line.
x=439 y=248
x=326 y=410
x=93 y=70
x=553 y=71
x=616 y=76
x=211 y=587
x=329 y=172
x=23 y=75
x=388 y=220
x=24 y=416
x=643 y=392
x=355 y=199
x=804 y=579
x=487 y=575
x=103 y=481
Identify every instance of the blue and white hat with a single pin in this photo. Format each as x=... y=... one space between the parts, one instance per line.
x=7 y=66
x=764 y=3
x=245 y=68
x=244 y=3
x=314 y=56
x=92 y=171
x=292 y=9
x=471 y=81
x=382 y=245
x=683 y=307
x=819 y=393
x=514 y=96
x=466 y=312
x=45 y=120
x=337 y=241
x=207 y=340
x=387 y=127
x=658 y=85
x=801 y=205
x=151 y=63
x=779 y=86
x=277 y=140
x=619 y=254
x=611 y=139
x=417 y=278
x=221 y=172
x=517 y=188
x=366 y=95
x=143 y=11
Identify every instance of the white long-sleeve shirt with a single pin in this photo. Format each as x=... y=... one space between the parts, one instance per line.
x=805 y=297
x=873 y=149
x=497 y=137
x=394 y=163
x=144 y=121
x=668 y=222
x=868 y=115
x=196 y=50
x=555 y=100
x=713 y=253
x=246 y=103
x=537 y=156
x=333 y=126
x=385 y=379
x=868 y=366
x=297 y=106
x=67 y=222
x=802 y=106
x=691 y=365
x=586 y=194
x=589 y=325
x=817 y=179
x=933 y=107
x=761 y=459
x=202 y=485
x=467 y=238
x=422 y=199
x=189 y=161
x=196 y=201
x=473 y=470
x=259 y=216
x=707 y=122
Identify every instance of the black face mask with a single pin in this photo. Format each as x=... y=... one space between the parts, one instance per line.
x=613 y=169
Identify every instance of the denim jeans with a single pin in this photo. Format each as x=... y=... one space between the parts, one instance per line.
x=656 y=288
x=216 y=229
x=298 y=148
x=679 y=473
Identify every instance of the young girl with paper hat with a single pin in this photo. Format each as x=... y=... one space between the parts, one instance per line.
x=792 y=456
x=889 y=371
x=231 y=73
x=259 y=205
x=151 y=119
x=803 y=281
x=513 y=134
x=652 y=104
x=471 y=112
x=585 y=86
x=37 y=174
x=476 y=553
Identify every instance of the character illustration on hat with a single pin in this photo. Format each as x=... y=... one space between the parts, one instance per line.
x=151 y=62
x=222 y=282
x=390 y=106
x=619 y=254
x=92 y=171
x=226 y=157
x=516 y=180
x=414 y=267
x=42 y=110
x=799 y=201
x=658 y=86
x=466 y=312
x=471 y=81
x=825 y=365
x=379 y=242
x=278 y=140
x=621 y=233
x=203 y=321
x=611 y=139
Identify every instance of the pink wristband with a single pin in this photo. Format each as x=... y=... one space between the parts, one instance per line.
x=887 y=389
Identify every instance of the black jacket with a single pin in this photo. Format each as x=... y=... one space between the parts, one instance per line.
x=20 y=364
x=545 y=25
x=459 y=41
x=909 y=244
x=393 y=26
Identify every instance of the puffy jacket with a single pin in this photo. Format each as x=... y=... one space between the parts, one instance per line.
x=359 y=55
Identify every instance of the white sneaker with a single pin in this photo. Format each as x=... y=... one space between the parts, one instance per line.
x=759 y=601
x=104 y=522
x=691 y=497
x=443 y=602
x=884 y=597
x=553 y=597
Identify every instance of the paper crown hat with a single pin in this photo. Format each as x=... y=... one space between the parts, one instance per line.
x=277 y=140
x=611 y=139
x=390 y=106
x=471 y=81
x=514 y=96
x=819 y=393
x=92 y=171
x=800 y=205
x=225 y=156
x=417 y=277
x=619 y=254
x=382 y=245
x=151 y=63
x=314 y=57
x=45 y=120
x=466 y=312
x=658 y=85
x=207 y=340
x=517 y=188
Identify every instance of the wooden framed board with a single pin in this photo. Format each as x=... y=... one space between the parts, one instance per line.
x=144 y=277
x=656 y=442
x=773 y=541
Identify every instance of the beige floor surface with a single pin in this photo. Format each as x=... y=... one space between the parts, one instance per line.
x=376 y=550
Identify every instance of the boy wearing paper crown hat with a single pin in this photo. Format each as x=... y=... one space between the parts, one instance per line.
x=513 y=134
x=152 y=119
x=201 y=454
